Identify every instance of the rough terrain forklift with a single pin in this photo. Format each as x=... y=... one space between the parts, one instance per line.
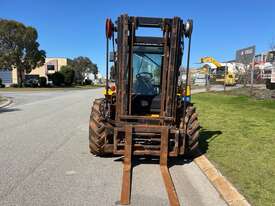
x=147 y=112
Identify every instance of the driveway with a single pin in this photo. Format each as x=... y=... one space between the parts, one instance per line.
x=45 y=160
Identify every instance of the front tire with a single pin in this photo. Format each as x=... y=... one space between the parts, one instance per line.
x=97 y=129
x=191 y=127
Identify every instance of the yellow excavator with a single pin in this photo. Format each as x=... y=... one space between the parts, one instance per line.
x=223 y=75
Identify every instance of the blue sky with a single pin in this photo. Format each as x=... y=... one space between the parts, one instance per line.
x=73 y=28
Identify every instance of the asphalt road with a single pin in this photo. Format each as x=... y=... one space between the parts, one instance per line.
x=45 y=160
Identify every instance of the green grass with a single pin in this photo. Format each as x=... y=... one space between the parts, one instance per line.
x=238 y=136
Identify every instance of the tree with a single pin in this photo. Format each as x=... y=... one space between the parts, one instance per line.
x=88 y=82
x=94 y=70
x=68 y=73
x=58 y=79
x=19 y=48
x=82 y=66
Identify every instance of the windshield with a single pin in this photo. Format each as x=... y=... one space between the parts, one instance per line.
x=220 y=72
x=146 y=72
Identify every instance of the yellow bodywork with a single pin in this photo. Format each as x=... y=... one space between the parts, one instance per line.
x=229 y=80
x=188 y=91
x=110 y=92
x=154 y=115
x=211 y=60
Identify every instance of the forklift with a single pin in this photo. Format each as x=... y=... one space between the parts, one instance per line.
x=146 y=111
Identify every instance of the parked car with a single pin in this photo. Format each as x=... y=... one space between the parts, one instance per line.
x=31 y=81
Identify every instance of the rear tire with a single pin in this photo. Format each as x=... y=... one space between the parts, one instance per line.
x=191 y=127
x=97 y=129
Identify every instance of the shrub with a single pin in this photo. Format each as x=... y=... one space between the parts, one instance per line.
x=58 y=79
x=42 y=81
x=68 y=74
x=14 y=85
x=88 y=82
x=1 y=85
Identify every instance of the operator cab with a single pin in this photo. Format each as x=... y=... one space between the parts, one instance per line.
x=147 y=67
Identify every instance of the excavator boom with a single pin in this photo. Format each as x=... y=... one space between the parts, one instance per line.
x=211 y=60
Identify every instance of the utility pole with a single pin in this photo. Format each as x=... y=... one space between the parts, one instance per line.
x=252 y=76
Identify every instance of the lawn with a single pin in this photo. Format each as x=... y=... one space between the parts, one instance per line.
x=238 y=136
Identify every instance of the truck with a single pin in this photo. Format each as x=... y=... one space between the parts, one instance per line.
x=268 y=72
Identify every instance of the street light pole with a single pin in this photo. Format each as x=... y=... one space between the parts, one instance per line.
x=252 y=76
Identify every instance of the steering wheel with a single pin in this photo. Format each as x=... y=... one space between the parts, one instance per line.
x=144 y=83
x=144 y=76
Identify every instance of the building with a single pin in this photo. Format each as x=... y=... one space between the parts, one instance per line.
x=98 y=79
x=51 y=66
x=8 y=76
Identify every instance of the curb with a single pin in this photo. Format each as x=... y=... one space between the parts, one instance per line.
x=229 y=193
x=6 y=103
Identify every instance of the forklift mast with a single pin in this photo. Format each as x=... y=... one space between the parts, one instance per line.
x=169 y=45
